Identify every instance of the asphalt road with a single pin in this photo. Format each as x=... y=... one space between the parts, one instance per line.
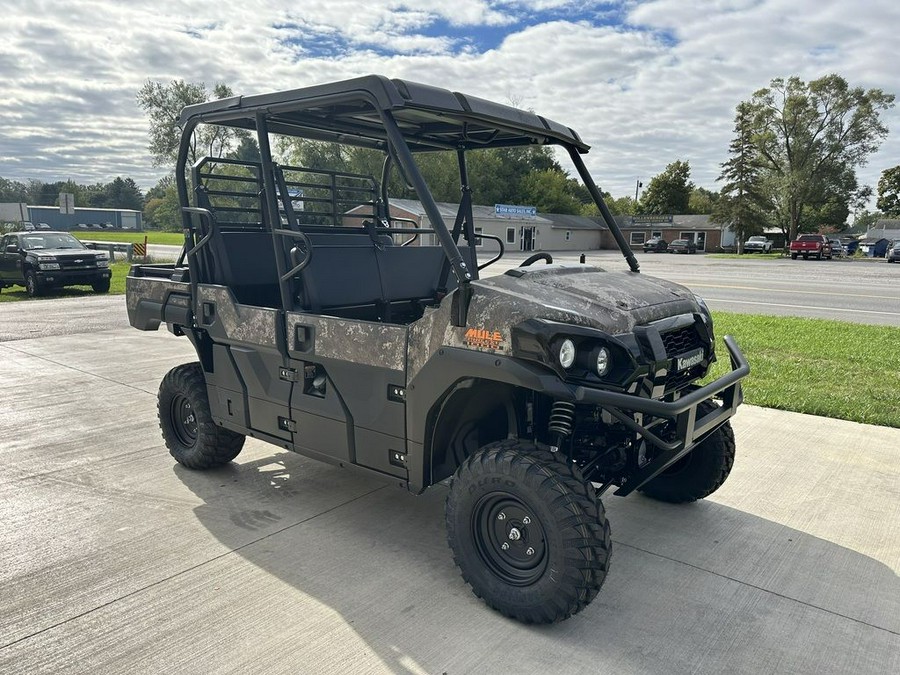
x=116 y=560
x=849 y=290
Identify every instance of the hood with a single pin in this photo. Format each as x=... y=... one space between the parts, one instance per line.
x=583 y=295
x=67 y=253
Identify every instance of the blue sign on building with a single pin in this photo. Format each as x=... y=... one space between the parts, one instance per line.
x=510 y=211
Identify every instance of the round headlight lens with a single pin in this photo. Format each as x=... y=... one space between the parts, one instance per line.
x=567 y=353
x=603 y=361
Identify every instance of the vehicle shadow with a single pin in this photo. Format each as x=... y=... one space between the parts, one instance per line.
x=693 y=588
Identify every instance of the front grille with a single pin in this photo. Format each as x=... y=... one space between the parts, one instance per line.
x=72 y=265
x=681 y=340
x=678 y=342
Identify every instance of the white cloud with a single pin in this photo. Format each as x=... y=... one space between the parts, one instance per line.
x=644 y=83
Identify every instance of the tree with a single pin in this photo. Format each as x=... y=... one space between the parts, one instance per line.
x=668 y=192
x=550 y=192
x=809 y=139
x=163 y=105
x=865 y=220
x=702 y=201
x=889 y=192
x=741 y=202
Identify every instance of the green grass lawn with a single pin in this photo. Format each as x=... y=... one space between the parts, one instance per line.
x=816 y=366
x=153 y=237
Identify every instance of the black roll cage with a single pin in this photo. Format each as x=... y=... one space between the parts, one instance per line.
x=399 y=118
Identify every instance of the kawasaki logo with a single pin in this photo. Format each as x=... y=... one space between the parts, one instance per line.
x=690 y=359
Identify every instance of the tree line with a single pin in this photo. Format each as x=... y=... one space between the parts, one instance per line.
x=120 y=193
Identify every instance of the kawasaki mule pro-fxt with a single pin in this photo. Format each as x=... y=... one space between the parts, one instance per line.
x=327 y=326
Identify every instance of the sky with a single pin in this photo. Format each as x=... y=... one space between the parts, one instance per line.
x=644 y=83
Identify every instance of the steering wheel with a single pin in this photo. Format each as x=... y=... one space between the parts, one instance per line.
x=537 y=256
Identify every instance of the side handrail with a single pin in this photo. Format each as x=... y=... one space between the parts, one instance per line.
x=299 y=267
x=499 y=255
x=209 y=221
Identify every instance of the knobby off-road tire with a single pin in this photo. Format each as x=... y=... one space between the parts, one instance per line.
x=101 y=286
x=701 y=472
x=555 y=529
x=190 y=433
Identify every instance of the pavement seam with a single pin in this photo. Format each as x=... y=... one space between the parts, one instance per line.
x=187 y=570
x=70 y=367
x=754 y=586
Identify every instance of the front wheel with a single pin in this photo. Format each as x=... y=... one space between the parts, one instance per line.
x=699 y=473
x=101 y=286
x=31 y=284
x=793 y=256
x=191 y=435
x=527 y=532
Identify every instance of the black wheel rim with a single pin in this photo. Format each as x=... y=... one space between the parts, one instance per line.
x=509 y=538
x=184 y=420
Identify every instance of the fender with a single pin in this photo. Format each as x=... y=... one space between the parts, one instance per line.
x=438 y=379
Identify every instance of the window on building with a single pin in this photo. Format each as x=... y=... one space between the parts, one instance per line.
x=656 y=234
x=510 y=235
x=637 y=238
x=568 y=235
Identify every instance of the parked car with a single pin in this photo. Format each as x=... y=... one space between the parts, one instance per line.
x=806 y=245
x=850 y=244
x=27 y=226
x=893 y=252
x=837 y=248
x=39 y=260
x=758 y=244
x=682 y=246
x=655 y=245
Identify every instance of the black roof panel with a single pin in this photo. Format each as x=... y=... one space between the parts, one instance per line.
x=349 y=111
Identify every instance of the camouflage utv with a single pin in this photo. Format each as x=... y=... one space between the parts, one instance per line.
x=328 y=326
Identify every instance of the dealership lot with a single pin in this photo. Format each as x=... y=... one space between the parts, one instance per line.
x=117 y=560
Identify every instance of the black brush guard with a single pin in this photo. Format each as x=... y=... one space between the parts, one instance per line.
x=689 y=429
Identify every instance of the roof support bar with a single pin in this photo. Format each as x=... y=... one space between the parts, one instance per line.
x=463 y=274
x=604 y=209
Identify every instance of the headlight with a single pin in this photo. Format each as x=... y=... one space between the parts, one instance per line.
x=566 y=353
x=603 y=361
x=102 y=262
x=48 y=265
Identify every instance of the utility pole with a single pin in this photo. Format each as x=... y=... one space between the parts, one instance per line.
x=637 y=186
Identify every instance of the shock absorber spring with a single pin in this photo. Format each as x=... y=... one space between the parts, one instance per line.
x=562 y=422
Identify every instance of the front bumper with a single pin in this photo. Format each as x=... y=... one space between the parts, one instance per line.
x=72 y=278
x=689 y=429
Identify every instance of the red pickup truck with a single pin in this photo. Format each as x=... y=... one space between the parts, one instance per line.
x=815 y=245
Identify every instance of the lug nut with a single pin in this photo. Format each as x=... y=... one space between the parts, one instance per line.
x=514 y=534
x=504 y=546
x=526 y=520
x=501 y=516
x=529 y=551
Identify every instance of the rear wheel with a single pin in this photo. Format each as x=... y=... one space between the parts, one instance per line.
x=527 y=532
x=190 y=433
x=701 y=472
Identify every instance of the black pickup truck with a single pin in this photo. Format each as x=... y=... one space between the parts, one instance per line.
x=39 y=260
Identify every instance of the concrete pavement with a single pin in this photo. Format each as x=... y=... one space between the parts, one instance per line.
x=117 y=560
